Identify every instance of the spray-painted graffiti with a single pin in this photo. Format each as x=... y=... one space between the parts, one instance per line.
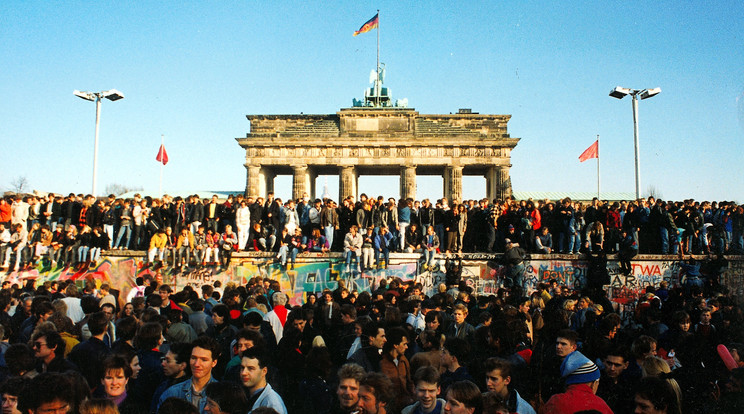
x=314 y=274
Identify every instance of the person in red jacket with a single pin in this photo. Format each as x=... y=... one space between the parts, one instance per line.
x=582 y=379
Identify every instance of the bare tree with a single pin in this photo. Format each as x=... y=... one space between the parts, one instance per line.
x=119 y=189
x=653 y=191
x=19 y=184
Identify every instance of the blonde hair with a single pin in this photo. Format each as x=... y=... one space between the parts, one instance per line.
x=654 y=366
x=98 y=406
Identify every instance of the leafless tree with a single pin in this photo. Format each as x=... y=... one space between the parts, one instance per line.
x=19 y=184
x=119 y=189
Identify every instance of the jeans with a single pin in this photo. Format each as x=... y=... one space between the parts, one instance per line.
x=329 y=235
x=109 y=230
x=83 y=253
x=352 y=254
x=181 y=253
x=429 y=256
x=574 y=243
x=122 y=231
x=139 y=232
x=383 y=254
x=403 y=226
x=664 y=235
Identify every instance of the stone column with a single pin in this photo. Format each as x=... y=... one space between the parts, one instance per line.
x=300 y=181
x=313 y=176
x=268 y=180
x=453 y=183
x=408 y=182
x=503 y=182
x=347 y=183
x=253 y=180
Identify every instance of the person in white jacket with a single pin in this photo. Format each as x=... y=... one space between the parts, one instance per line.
x=243 y=222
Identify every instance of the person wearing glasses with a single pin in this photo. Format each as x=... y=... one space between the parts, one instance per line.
x=49 y=351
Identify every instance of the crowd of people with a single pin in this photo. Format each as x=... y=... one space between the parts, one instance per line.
x=69 y=348
x=68 y=231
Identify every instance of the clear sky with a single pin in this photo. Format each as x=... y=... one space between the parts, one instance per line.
x=192 y=70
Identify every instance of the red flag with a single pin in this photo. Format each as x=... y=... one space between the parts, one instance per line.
x=162 y=155
x=591 y=152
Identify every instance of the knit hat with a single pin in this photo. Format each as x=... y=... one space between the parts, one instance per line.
x=578 y=369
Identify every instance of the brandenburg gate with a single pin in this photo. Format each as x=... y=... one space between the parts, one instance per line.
x=378 y=141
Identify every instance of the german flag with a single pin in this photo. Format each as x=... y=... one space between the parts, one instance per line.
x=371 y=24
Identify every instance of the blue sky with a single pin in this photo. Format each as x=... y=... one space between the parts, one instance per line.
x=192 y=70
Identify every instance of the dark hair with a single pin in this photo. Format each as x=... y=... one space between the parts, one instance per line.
x=619 y=351
x=252 y=319
x=148 y=336
x=502 y=365
x=182 y=352
x=250 y=335
x=318 y=362
x=380 y=386
x=660 y=393
x=42 y=307
x=394 y=337
x=372 y=329
x=89 y=304
x=221 y=310
x=467 y=393
x=45 y=388
x=20 y=359
x=569 y=335
x=256 y=353
x=97 y=323
x=177 y=405
x=15 y=386
x=116 y=363
x=641 y=345
x=458 y=348
x=430 y=316
x=427 y=374
x=209 y=344
x=228 y=395
x=349 y=310
x=126 y=328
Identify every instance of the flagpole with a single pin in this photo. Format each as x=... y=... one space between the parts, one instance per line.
x=598 y=197
x=377 y=84
x=160 y=188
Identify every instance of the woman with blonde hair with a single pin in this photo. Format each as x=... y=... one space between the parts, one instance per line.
x=654 y=366
x=98 y=406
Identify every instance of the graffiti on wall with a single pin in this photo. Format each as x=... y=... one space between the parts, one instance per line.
x=484 y=275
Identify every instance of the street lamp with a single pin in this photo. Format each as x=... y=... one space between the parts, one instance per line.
x=619 y=93
x=111 y=95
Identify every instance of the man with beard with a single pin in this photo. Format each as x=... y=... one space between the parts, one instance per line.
x=375 y=394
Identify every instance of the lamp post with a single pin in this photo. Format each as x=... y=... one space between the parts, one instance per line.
x=111 y=95
x=619 y=93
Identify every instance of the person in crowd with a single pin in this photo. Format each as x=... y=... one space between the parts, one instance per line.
x=498 y=379
x=353 y=242
x=347 y=391
x=463 y=397
x=204 y=354
x=225 y=397
x=375 y=394
x=253 y=370
x=426 y=380
x=581 y=377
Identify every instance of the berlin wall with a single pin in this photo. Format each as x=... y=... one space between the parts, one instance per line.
x=315 y=272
